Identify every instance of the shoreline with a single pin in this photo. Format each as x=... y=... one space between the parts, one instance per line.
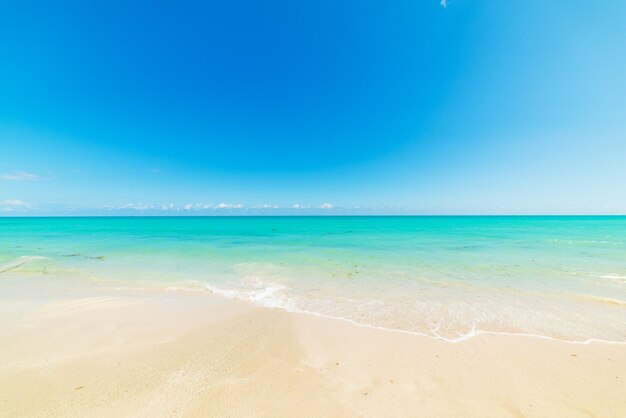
x=220 y=293
x=78 y=349
x=460 y=339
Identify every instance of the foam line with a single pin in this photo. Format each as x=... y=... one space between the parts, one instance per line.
x=19 y=262
x=233 y=294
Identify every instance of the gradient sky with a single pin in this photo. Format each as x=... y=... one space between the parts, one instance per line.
x=481 y=106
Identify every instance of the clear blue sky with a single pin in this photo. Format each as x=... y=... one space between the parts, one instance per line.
x=481 y=106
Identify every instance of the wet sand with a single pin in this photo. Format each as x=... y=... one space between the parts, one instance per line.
x=76 y=349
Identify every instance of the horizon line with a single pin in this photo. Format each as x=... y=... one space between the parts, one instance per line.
x=441 y=215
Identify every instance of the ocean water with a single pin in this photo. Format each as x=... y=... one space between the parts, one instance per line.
x=444 y=277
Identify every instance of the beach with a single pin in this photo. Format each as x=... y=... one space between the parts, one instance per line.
x=312 y=316
x=76 y=349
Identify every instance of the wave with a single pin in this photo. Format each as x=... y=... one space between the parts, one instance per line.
x=269 y=295
x=615 y=277
x=273 y=295
x=602 y=299
x=19 y=262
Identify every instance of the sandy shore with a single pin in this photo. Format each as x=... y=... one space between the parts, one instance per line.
x=70 y=349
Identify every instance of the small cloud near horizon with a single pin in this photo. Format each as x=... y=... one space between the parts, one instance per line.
x=8 y=205
x=15 y=202
x=19 y=176
x=229 y=206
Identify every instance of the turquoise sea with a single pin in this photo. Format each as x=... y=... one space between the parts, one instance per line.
x=446 y=277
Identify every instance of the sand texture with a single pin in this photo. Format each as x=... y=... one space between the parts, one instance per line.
x=70 y=349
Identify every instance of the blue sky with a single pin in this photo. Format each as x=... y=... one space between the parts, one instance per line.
x=312 y=107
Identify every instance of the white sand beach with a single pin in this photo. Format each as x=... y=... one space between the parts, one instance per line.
x=74 y=349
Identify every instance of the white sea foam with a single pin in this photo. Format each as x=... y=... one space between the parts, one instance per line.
x=448 y=313
x=259 y=292
x=616 y=277
x=269 y=294
x=375 y=314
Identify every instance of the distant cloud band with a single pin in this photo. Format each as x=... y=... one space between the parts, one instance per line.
x=10 y=205
x=208 y=206
x=17 y=205
x=19 y=176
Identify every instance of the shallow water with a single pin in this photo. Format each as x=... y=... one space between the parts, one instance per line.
x=447 y=277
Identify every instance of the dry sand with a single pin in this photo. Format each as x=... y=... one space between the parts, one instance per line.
x=69 y=349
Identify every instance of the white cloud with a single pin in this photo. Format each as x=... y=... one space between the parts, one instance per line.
x=9 y=205
x=444 y=3
x=19 y=176
x=136 y=206
x=326 y=206
x=16 y=203
x=229 y=206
